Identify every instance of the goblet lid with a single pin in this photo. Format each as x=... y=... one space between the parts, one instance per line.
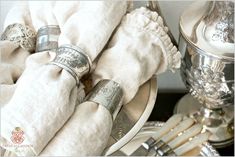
x=209 y=27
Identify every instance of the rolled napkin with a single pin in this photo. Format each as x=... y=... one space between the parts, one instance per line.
x=81 y=24
x=13 y=55
x=45 y=18
x=17 y=43
x=46 y=94
x=86 y=132
x=139 y=49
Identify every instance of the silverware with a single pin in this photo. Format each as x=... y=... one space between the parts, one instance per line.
x=182 y=126
x=178 y=146
x=168 y=148
x=144 y=149
x=161 y=147
x=191 y=132
x=150 y=128
x=191 y=144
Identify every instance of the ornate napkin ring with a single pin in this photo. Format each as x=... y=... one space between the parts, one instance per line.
x=47 y=38
x=72 y=59
x=109 y=94
x=21 y=35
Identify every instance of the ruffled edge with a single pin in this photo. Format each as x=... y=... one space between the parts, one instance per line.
x=142 y=19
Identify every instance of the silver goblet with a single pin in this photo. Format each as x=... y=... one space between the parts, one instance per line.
x=207 y=43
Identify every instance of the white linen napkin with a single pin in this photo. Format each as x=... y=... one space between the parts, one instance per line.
x=12 y=61
x=64 y=9
x=6 y=92
x=88 y=21
x=12 y=55
x=46 y=95
x=139 y=49
x=19 y=13
x=52 y=12
x=84 y=134
x=42 y=13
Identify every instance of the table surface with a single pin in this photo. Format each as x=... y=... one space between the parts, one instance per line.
x=163 y=110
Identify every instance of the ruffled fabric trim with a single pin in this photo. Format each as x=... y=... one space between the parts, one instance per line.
x=150 y=22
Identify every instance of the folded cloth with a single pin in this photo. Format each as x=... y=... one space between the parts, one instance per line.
x=12 y=62
x=42 y=13
x=139 y=49
x=54 y=16
x=12 y=54
x=19 y=13
x=64 y=9
x=52 y=12
x=6 y=92
x=93 y=18
x=46 y=94
x=78 y=136
x=29 y=14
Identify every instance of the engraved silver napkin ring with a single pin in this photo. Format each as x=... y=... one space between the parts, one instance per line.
x=73 y=59
x=47 y=38
x=108 y=94
x=20 y=35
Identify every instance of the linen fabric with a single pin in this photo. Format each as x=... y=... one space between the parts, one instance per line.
x=139 y=49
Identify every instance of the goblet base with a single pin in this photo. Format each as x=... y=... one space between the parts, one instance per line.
x=220 y=122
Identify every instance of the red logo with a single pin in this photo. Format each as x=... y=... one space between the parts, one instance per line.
x=17 y=136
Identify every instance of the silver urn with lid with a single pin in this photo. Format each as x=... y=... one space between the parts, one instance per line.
x=207 y=43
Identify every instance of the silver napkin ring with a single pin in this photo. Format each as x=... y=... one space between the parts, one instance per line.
x=108 y=94
x=47 y=38
x=20 y=35
x=72 y=59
